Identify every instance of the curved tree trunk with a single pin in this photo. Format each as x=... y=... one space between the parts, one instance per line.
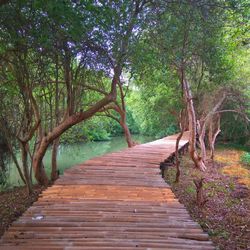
x=75 y=118
x=70 y=121
x=127 y=134
x=121 y=110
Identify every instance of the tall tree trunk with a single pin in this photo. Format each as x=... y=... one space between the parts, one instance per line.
x=201 y=128
x=123 y=119
x=214 y=130
x=26 y=166
x=199 y=163
x=54 y=172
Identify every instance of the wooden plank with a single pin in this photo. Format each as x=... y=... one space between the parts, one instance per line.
x=116 y=201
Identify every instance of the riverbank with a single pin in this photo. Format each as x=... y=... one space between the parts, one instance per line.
x=14 y=203
x=225 y=214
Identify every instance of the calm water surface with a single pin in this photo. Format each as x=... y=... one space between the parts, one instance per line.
x=69 y=155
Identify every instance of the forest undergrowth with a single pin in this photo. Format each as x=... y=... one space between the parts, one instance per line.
x=225 y=214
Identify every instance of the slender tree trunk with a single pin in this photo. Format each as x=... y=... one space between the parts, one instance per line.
x=54 y=172
x=123 y=120
x=199 y=163
x=13 y=155
x=201 y=128
x=10 y=149
x=213 y=135
x=26 y=166
x=177 y=160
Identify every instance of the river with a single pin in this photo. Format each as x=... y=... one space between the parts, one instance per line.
x=71 y=154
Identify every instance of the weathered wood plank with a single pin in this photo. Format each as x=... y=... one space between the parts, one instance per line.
x=116 y=201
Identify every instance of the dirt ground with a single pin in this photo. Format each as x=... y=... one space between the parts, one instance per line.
x=226 y=212
x=14 y=203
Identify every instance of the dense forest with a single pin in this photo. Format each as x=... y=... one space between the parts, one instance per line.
x=88 y=70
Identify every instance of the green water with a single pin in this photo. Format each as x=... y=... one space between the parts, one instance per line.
x=69 y=155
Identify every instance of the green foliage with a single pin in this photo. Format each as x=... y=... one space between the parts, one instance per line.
x=132 y=122
x=42 y=40
x=99 y=128
x=95 y=129
x=245 y=159
x=154 y=103
x=190 y=189
x=3 y=181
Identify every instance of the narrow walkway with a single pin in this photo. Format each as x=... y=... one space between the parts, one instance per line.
x=116 y=201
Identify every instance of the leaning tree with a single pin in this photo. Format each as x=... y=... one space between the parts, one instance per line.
x=58 y=43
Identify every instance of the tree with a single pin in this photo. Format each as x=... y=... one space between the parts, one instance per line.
x=82 y=38
x=187 y=39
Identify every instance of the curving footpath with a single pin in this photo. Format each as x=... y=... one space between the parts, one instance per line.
x=116 y=201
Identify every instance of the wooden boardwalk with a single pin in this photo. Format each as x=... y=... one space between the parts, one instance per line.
x=116 y=201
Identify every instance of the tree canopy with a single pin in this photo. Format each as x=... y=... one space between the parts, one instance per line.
x=69 y=68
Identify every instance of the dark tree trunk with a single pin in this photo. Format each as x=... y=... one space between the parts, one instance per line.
x=54 y=172
x=24 y=152
x=200 y=198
